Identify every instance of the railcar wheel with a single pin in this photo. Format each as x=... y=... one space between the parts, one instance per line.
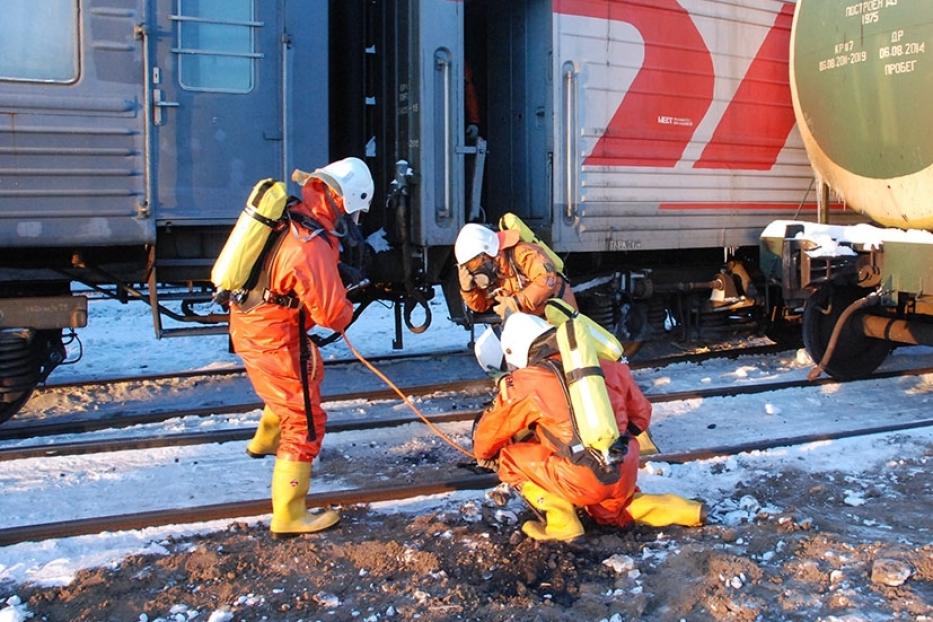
x=26 y=358
x=856 y=355
x=18 y=371
x=8 y=409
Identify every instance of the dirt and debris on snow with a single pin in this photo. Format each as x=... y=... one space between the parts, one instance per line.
x=790 y=546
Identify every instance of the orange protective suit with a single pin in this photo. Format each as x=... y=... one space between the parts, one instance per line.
x=528 y=426
x=268 y=337
x=525 y=273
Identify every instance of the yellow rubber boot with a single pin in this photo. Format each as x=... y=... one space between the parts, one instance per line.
x=562 y=522
x=265 y=441
x=290 y=483
x=646 y=445
x=664 y=510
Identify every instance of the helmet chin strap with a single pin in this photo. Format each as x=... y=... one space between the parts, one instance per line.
x=340 y=227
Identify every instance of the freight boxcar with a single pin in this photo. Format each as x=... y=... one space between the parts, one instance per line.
x=648 y=141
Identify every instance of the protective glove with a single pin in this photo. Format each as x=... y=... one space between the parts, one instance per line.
x=465 y=278
x=488 y=465
x=349 y=275
x=505 y=306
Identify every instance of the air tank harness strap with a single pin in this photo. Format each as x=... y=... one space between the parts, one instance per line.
x=289 y=300
x=510 y=255
x=564 y=281
x=304 y=356
x=576 y=452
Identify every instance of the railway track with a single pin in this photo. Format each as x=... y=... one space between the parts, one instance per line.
x=12 y=431
x=240 y=434
x=116 y=421
x=234 y=371
x=239 y=509
x=696 y=357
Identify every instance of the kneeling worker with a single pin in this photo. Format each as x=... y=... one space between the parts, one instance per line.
x=529 y=428
x=299 y=288
x=498 y=271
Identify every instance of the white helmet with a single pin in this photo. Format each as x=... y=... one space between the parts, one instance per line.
x=351 y=179
x=488 y=351
x=521 y=330
x=474 y=239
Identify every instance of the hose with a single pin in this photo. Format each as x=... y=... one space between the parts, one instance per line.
x=871 y=299
x=414 y=409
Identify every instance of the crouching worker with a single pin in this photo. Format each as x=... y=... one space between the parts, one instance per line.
x=298 y=287
x=531 y=430
x=499 y=272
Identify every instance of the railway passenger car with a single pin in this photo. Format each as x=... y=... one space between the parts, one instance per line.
x=648 y=141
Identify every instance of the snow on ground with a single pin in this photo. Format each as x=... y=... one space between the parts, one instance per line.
x=54 y=562
x=118 y=341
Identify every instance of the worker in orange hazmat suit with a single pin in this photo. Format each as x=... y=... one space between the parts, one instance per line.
x=498 y=271
x=299 y=288
x=528 y=428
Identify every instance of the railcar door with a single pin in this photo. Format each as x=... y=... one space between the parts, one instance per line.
x=428 y=111
x=216 y=107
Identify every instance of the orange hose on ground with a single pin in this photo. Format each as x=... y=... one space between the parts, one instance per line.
x=405 y=399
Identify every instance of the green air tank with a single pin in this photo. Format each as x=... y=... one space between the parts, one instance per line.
x=862 y=85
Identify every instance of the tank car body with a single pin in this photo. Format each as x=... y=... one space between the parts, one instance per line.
x=859 y=74
x=647 y=141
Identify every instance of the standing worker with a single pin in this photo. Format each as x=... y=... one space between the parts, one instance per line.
x=529 y=429
x=498 y=271
x=300 y=288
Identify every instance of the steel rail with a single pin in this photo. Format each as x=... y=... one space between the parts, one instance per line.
x=243 y=509
x=694 y=357
x=240 y=434
x=23 y=431
x=234 y=371
x=202 y=438
x=117 y=420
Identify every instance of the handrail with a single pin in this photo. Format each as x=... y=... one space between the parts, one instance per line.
x=569 y=138
x=142 y=33
x=442 y=62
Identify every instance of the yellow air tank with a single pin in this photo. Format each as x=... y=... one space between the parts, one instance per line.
x=525 y=234
x=592 y=410
x=239 y=262
x=608 y=348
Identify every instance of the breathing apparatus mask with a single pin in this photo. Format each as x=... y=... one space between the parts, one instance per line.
x=483 y=269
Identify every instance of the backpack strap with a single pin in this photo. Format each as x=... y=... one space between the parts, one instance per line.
x=259 y=293
x=576 y=451
x=521 y=276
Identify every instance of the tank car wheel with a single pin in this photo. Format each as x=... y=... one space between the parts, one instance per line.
x=856 y=355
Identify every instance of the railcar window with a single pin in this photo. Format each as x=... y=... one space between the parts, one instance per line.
x=39 y=40
x=216 y=45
